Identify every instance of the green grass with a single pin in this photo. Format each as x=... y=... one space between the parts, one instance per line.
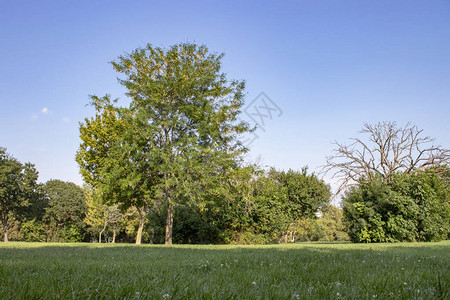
x=294 y=271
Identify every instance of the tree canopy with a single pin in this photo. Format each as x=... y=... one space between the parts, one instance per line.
x=18 y=185
x=65 y=211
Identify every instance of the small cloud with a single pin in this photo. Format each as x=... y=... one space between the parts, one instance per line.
x=44 y=110
x=34 y=116
x=66 y=120
x=40 y=150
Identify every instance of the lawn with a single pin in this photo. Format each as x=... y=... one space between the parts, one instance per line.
x=293 y=271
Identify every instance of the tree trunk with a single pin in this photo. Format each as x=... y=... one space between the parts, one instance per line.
x=142 y=216
x=5 y=228
x=101 y=232
x=5 y=234
x=169 y=224
x=114 y=236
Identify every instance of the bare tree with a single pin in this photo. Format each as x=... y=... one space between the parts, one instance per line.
x=388 y=149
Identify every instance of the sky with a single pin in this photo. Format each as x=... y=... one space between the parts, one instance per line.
x=324 y=67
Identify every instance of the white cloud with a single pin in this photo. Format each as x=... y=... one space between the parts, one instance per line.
x=40 y=150
x=34 y=116
x=44 y=110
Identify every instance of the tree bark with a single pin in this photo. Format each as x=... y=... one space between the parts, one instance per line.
x=5 y=229
x=169 y=224
x=142 y=216
x=114 y=236
x=101 y=232
x=5 y=234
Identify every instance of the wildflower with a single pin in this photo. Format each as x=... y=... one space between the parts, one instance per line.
x=296 y=296
x=253 y=283
x=166 y=296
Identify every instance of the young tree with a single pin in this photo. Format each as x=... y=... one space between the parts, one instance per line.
x=96 y=214
x=101 y=216
x=181 y=127
x=17 y=187
x=387 y=150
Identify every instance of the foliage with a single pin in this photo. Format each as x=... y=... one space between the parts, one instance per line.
x=66 y=210
x=191 y=226
x=270 y=206
x=251 y=206
x=414 y=207
x=14 y=232
x=17 y=186
x=181 y=128
x=102 y=217
x=332 y=223
x=98 y=134
x=33 y=231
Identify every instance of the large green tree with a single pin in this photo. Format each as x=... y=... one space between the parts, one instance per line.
x=66 y=210
x=17 y=188
x=289 y=197
x=180 y=129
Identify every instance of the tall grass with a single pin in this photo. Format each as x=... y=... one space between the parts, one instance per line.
x=294 y=271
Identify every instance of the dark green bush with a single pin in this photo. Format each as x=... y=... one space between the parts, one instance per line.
x=412 y=207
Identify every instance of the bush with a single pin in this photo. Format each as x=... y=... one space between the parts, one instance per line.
x=71 y=234
x=33 y=231
x=412 y=207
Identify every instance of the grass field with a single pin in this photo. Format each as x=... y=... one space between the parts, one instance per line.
x=294 y=271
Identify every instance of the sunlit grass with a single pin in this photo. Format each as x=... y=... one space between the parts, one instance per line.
x=293 y=271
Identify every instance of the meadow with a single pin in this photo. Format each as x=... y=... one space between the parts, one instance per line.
x=293 y=271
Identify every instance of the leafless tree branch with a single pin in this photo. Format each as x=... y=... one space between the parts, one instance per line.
x=387 y=149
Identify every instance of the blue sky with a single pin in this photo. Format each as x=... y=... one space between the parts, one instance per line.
x=329 y=66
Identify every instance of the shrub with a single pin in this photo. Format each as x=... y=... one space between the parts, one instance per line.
x=412 y=207
x=33 y=231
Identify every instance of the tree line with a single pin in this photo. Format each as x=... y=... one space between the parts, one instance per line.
x=268 y=206
x=170 y=168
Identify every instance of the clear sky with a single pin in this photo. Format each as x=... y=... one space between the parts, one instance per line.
x=329 y=66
